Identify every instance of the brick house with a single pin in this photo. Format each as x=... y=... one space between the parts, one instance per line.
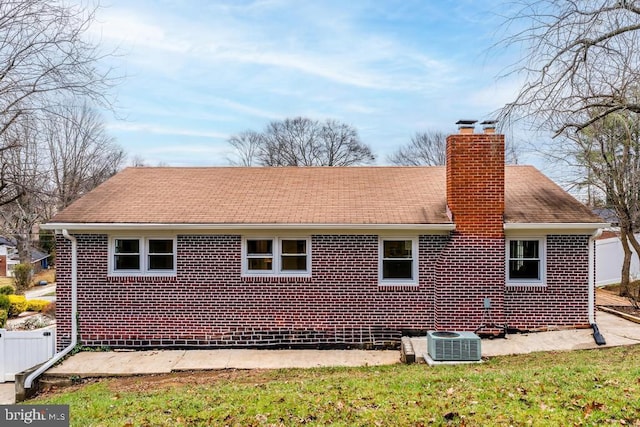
x=232 y=257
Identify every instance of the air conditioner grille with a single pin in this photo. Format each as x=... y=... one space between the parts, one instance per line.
x=453 y=346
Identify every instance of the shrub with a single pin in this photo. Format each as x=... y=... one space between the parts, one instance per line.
x=22 y=277
x=7 y=290
x=18 y=304
x=36 y=305
x=4 y=303
x=3 y=318
x=50 y=310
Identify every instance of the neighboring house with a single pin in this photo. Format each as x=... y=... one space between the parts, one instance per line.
x=9 y=258
x=608 y=215
x=232 y=257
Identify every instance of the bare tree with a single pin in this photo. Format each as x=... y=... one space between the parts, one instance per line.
x=427 y=148
x=81 y=153
x=610 y=150
x=292 y=142
x=301 y=141
x=247 y=147
x=581 y=61
x=24 y=166
x=44 y=54
x=341 y=145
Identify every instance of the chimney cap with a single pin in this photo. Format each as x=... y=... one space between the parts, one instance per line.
x=488 y=123
x=465 y=123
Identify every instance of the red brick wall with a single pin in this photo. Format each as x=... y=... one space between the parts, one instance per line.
x=470 y=269
x=564 y=299
x=475 y=183
x=208 y=304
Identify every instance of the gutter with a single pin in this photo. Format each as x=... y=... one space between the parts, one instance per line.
x=28 y=382
x=93 y=226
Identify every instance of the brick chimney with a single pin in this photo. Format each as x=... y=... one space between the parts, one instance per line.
x=475 y=180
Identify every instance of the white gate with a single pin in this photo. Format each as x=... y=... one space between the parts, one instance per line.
x=20 y=350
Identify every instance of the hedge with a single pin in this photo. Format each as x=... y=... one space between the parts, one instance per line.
x=18 y=304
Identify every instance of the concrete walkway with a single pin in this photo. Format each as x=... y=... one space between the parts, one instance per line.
x=41 y=292
x=617 y=331
x=115 y=363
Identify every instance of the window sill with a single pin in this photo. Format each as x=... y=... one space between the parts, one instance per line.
x=275 y=279
x=526 y=287
x=398 y=287
x=141 y=278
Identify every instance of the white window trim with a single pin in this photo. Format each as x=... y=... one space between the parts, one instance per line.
x=276 y=270
x=414 y=257
x=542 y=247
x=143 y=254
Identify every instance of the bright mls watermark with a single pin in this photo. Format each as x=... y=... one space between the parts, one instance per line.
x=34 y=415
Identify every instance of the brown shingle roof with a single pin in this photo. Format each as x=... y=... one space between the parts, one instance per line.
x=355 y=195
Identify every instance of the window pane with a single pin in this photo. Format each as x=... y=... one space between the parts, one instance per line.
x=260 y=247
x=397 y=248
x=294 y=246
x=524 y=269
x=524 y=248
x=160 y=246
x=294 y=263
x=127 y=262
x=401 y=269
x=127 y=246
x=160 y=262
x=260 y=264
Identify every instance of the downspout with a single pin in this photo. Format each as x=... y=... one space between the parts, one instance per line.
x=599 y=339
x=74 y=309
x=592 y=276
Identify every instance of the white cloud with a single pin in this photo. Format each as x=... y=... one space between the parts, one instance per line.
x=349 y=57
x=162 y=130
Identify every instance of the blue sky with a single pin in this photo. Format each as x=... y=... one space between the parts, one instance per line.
x=200 y=71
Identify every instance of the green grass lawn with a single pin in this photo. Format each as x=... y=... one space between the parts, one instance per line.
x=556 y=389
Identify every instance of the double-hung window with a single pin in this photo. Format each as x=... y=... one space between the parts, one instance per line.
x=143 y=256
x=398 y=261
x=276 y=256
x=525 y=261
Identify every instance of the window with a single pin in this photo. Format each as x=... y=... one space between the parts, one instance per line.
x=398 y=261
x=142 y=256
x=160 y=254
x=260 y=255
x=276 y=256
x=127 y=254
x=293 y=255
x=525 y=261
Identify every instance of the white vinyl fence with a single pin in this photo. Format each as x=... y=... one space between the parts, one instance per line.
x=609 y=255
x=20 y=350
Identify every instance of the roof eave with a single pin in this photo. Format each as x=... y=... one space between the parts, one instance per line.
x=260 y=226
x=558 y=227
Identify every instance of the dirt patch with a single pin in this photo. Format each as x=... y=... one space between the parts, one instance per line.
x=634 y=288
x=626 y=309
x=145 y=383
x=155 y=382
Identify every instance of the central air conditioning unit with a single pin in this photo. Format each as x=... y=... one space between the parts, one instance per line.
x=453 y=346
